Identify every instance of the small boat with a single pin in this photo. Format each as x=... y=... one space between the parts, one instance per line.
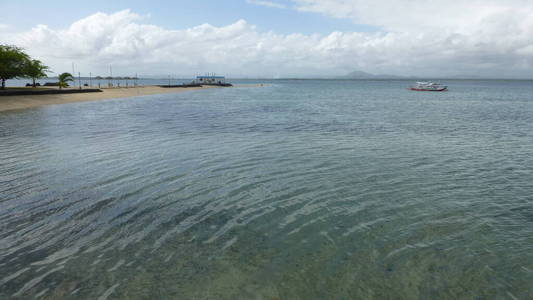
x=428 y=87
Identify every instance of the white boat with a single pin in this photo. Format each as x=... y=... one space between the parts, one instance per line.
x=428 y=86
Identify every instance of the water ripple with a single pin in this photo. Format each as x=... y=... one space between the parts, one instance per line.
x=287 y=185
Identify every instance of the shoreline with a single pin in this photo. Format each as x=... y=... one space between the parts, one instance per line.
x=30 y=101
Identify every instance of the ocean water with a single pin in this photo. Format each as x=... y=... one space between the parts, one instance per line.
x=300 y=189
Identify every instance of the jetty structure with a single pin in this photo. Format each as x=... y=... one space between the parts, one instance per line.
x=211 y=80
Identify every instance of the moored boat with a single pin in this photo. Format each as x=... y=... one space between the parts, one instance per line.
x=426 y=86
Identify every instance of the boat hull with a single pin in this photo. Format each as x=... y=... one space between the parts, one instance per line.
x=429 y=90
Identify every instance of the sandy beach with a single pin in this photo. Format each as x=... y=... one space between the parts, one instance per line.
x=29 y=101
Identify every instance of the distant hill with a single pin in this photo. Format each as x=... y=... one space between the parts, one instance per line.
x=365 y=75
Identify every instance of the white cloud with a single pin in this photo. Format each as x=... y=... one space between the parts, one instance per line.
x=459 y=16
x=497 y=40
x=267 y=3
x=4 y=26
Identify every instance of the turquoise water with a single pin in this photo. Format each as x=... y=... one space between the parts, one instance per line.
x=296 y=190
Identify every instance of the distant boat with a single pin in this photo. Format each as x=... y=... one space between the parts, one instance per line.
x=427 y=86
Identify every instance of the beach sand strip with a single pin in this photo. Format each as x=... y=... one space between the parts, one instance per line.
x=29 y=101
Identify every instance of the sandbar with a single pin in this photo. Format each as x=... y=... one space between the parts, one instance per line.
x=30 y=101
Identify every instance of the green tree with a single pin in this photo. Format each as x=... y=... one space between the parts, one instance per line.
x=64 y=78
x=12 y=63
x=35 y=69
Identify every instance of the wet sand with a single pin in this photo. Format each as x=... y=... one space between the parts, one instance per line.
x=29 y=101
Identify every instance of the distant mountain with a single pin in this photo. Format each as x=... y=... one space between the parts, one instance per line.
x=365 y=75
x=359 y=75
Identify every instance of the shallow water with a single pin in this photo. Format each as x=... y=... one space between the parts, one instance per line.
x=296 y=190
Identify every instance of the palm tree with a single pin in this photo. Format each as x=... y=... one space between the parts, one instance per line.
x=64 y=78
x=35 y=69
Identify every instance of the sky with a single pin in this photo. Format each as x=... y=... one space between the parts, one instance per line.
x=276 y=38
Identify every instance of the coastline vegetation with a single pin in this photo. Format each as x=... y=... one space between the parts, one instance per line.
x=15 y=63
x=64 y=78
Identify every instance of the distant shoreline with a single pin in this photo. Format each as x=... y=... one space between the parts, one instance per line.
x=8 y=103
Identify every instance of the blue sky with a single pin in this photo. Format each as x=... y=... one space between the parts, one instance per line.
x=25 y=14
x=277 y=38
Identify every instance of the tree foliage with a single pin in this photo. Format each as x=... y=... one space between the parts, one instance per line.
x=35 y=69
x=64 y=78
x=12 y=63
